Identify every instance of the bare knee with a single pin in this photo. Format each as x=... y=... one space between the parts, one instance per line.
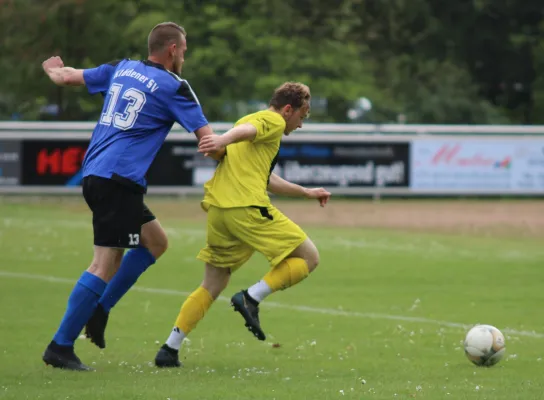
x=154 y=238
x=160 y=246
x=215 y=279
x=106 y=262
x=309 y=253
x=312 y=259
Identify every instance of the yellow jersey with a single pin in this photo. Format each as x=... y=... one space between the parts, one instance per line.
x=241 y=178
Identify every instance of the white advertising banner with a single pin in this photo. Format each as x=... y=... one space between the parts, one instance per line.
x=478 y=165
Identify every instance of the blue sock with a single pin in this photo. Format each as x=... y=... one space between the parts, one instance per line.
x=135 y=262
x=81 y=306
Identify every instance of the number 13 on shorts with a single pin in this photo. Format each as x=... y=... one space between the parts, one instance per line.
x=133 y=239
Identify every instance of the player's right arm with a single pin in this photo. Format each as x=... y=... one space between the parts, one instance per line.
x=96 y=79
x=61 y=75
x=213 y=143
x=206 y=131
x=238 y=134
x=258 y=129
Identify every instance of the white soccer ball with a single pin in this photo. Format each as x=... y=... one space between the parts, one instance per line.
x=484 y=345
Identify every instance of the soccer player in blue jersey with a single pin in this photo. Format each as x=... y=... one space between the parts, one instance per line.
x=142 y=100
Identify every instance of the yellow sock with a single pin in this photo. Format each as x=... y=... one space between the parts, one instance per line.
x=193 y=310
x=286 y=274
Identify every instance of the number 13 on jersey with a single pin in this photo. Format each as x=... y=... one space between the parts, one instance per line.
x=125 y=120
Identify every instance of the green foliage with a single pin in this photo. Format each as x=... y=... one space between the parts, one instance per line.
x=433 y=62
x=435 y=92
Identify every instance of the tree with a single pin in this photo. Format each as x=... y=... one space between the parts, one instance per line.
x=432 y=61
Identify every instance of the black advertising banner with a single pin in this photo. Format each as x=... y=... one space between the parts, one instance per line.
x=330 y=164
x=178 y=163
x=53 y=162
x=58 y=163
x=10 y=163
x=355 y=164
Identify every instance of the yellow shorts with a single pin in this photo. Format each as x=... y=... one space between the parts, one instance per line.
x=235 y=233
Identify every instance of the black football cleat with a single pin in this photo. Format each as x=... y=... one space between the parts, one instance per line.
x=249 y=309
x=167 y=357
x=63 y=357
x=96 y=327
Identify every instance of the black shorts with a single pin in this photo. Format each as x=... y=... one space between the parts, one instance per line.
x=118 y=212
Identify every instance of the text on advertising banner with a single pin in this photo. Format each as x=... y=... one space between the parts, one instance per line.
x=478 y=165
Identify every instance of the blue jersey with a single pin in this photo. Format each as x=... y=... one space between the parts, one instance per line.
x=142 y=102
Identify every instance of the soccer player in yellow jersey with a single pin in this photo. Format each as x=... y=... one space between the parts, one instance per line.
x=241 y=219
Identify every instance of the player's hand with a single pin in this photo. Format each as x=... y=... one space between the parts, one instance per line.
x=320 y=194
x=210 y=144
x=52 y=62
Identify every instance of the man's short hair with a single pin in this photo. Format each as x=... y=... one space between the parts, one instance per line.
x=294 y=93
x=162 y=35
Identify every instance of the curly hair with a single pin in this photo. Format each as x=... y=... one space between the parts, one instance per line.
x=294 y=93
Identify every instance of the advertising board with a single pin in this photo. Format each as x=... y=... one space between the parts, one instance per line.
x=179 y=164
x=467 y=165
x=355 y=164
x=10 y=163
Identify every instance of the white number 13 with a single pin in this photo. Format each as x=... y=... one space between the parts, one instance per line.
x=126 y=119
x=133 y=239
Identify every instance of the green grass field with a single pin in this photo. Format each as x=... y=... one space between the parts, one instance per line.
x=383 y=317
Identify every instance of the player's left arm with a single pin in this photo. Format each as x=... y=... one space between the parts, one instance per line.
x=207 y=131
x=280 y=186
x=187 y=112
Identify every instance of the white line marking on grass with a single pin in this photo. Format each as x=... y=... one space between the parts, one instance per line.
x=421 y=247
x=307 y=309
x=428 y=249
